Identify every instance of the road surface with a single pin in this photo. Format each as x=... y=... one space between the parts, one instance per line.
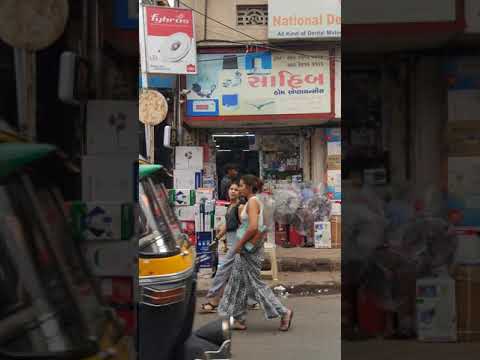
x=315 y=333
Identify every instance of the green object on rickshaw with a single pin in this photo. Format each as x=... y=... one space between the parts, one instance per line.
x=14 y=156
x=147 y=170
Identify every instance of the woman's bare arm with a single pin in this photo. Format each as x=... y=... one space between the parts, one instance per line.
x=253 y=211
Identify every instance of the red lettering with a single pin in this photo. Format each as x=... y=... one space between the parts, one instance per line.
x=311 y=79
x=253 y=81
x=295 y=81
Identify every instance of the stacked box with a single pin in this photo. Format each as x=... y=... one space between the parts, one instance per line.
x=322 y=235
x=436 y=309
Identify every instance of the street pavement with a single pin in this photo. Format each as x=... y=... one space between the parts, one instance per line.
x=315 y=332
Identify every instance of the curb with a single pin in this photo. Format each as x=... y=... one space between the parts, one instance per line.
x=292 y=264
x=297 y=290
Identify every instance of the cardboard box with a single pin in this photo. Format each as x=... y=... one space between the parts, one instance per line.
x=103 y=220
x=464 y=105
x=464 y=189
x=336 y=229
x=185 y=213
x=203 y=194
x=187 y=179
x=110 y=178
x=188 y=158
x=463 y=138
x=436 y=309
x=181 y=197
x=322 y=235
x=112 y=258
x=112 y=127
x=334 y=162
x=467 y=280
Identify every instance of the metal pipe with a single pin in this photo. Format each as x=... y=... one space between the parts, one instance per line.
x=205 y=20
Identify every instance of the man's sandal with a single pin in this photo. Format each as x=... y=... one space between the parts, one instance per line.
x=208 y=308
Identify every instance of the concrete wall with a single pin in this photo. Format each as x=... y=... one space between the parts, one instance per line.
x=225 y=12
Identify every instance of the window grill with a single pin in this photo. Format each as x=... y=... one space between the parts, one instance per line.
x=252 y=15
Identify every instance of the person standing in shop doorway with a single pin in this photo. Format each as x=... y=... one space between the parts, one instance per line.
x=231 y=175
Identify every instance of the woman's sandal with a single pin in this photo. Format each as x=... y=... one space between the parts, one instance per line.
x=208 y=308
x=237 y=325
x=285 y=323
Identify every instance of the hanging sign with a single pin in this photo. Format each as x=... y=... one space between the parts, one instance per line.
x=169 y=36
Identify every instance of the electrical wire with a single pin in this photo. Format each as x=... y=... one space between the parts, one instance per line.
x=244 y=34
x=264 y=45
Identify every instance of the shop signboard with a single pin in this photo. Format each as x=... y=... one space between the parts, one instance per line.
x=306 y=20
x=397 y=12
x=261 y=83
x=169 y=40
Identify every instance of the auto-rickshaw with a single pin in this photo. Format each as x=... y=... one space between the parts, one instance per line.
x=167 y=280
x=50 y=307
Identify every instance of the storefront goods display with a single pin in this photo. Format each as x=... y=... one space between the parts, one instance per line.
x=436 y=309
x=110 y=258
x=467 y=280
x=181 y=197
x=323 y=235
x=109 y=178
x=204 y=250
x=468 y=249
x=187 y=179
x=464 y=189
x=334 y=184
x=204 y=216
x=111 y=127
x=204 y=194
x=185 y=213
x=287 y=202
x=103 y=220
x=463 y=138
x=463 y=105
x=189 y=158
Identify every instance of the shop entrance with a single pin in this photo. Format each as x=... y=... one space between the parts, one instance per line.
x=238 y=149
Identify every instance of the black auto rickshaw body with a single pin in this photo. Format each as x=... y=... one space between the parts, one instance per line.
x=167 y=281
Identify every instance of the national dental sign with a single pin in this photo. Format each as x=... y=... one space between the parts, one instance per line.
x=304 y=19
